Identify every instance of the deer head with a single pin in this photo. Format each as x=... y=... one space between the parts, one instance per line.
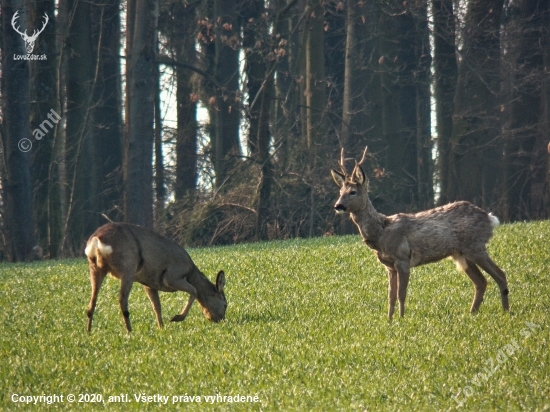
x=29 y=41
x=353 y=187
x=214 y=303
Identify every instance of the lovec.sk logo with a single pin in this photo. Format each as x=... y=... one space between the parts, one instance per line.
x=29 y=40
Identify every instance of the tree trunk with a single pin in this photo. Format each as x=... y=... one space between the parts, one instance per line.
x=283 y=119
x=350 y=59
x=266 y=168
x=17 y=182
x=421 y=80
x=226 y=110
x=138 y=167
x=108 y=126
x=445 y=78
x=82 y=218
x=160 y=189
x=45 y=99
x=398 y=64
x=186 y=138
x=335 y=33
x=58 y=178
x=315 y=82
x=257 y=45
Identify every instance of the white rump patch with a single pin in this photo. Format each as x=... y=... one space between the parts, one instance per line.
x=95 y=245
x=91 y=247
x=494 y=220
x=104 y=249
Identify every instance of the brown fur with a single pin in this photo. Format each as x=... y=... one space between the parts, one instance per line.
x=458 y=230
x=134 y=254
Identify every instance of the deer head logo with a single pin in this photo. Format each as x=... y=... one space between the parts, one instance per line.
x=29 y=40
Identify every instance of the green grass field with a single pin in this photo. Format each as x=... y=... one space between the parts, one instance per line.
x=306 y=329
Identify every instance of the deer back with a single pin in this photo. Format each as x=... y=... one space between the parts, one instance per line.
x=133 y=248
x=458 y=227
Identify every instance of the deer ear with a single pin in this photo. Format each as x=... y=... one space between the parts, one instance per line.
x=338 y=177
x=359 y=175
x=220 y=281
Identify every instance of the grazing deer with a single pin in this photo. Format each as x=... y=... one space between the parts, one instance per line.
x=134 y=254
x=458 y=230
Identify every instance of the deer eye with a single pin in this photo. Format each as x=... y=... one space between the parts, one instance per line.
x=353 y=192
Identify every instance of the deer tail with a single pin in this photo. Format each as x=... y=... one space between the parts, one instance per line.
x=98 y=251
x=494 y=220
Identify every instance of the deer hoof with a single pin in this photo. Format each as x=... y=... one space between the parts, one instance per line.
x=178 y=318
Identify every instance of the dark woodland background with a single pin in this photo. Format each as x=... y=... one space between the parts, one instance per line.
x=452 y=98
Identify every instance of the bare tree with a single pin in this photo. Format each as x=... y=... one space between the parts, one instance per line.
x=258 y=51
x=107 y=114
x=138 y=169
x=183 y=29
x=220 y=40
x=314 y=74
x=45 y=99
x=81 y=217
x=445 y=76
x=361 y=82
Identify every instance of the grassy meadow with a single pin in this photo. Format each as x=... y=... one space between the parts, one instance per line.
x=306 y=329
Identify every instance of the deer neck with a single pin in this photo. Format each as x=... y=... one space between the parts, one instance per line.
x=370 y=224
x=200 y=282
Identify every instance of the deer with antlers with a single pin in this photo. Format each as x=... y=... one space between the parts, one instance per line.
x=29 y=40
x=458 y=230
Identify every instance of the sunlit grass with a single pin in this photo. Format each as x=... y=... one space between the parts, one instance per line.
x=306 y=329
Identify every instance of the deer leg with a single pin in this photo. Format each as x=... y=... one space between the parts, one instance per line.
x=97 y=275
x=184 y=286
x=392 y=291
x=126 y=282
x=480 y=284
x=487 y=264
x=155 y=301
x=403 y=273
x=183 y=314
x=475 y=275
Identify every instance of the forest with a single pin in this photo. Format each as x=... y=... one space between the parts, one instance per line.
x=217 y=121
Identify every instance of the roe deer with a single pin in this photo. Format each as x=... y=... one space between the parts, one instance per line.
x=458 y=230
x=134 y=254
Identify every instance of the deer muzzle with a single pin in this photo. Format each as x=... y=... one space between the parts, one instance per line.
x=339 y=208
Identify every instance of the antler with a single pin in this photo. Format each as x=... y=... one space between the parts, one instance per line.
x=364 y=156
x=36 y=33
x=13 y=19
x=25 y=35
x=343 y=160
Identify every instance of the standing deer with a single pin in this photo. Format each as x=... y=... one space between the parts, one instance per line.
x=134 y=254
x=458 y=230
